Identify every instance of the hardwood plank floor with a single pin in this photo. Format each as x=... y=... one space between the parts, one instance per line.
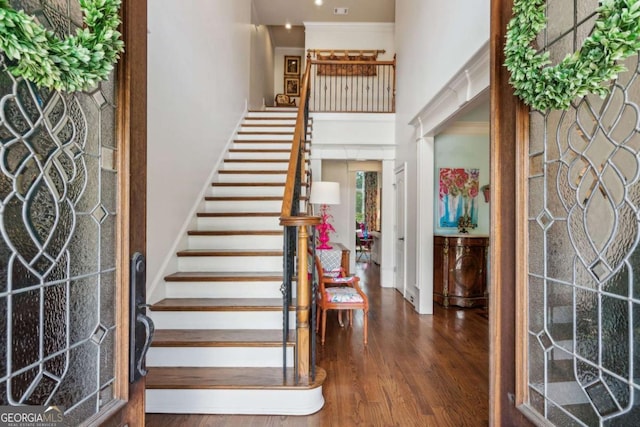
x=417 y=370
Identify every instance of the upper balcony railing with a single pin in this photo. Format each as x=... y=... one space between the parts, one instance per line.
x=349 y=81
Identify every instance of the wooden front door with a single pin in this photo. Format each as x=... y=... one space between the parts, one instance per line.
x=565 y=241
x=72 y=211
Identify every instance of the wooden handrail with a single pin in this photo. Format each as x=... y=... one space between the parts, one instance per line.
x=345 y=51
x=298 y=134
x=359 y=62
x=296 y=225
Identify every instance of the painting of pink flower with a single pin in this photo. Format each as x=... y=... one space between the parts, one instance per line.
x=458 y=192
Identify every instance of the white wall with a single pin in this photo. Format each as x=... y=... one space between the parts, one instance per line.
x=434 y=39
x=198 y=87
x=262 y=51
x=351 y=35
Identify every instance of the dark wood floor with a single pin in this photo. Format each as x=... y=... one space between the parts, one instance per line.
x=417 y=370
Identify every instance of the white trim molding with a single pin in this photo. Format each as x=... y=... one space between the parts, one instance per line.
x=470 y=84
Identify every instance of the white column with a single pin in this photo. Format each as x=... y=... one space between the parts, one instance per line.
x=425 y=218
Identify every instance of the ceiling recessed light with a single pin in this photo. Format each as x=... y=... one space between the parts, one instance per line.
x=287 y=25
x=318 y=2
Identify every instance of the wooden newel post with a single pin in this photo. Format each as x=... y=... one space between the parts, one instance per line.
x=303 y=307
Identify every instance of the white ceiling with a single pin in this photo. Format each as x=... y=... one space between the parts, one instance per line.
x=276 y=13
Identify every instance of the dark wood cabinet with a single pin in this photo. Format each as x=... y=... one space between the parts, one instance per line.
x=460 y=270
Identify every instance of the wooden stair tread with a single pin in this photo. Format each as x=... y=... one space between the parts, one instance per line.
x=232 y=276
x=230 y=252
x=234 y=232
x=248 y=184
x=223 y=378
x=230 y=214
x=218 y=304
x=219 y=338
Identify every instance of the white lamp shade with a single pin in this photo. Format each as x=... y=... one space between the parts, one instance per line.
x=325 y=193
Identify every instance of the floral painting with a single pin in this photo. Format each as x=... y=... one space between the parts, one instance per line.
x=458 y=195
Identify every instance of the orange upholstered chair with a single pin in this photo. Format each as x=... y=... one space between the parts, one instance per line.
x=338 y=293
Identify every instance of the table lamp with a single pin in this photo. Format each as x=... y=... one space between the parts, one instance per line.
x=324 y=193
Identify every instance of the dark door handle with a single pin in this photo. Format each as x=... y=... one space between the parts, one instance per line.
x=141 y=326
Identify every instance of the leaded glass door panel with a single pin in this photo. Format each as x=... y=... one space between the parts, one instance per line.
x=583 y=267
x=61 y=227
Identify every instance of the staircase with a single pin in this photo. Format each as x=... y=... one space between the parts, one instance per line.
x=218 y=345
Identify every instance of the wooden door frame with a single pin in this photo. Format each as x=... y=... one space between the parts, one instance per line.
x=132 y=135
x=505 y=237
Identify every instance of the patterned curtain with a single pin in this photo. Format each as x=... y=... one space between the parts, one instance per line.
x=371 y=200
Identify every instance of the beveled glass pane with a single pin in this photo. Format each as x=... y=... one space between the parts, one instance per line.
x=55 y=318
x=615 y=335
x=83 y=247
x=536 y=203
x=84 y=317
x=108 y=243
x=3 y=331
x=536 y=304
x=559 y=267
x=107 y=299
x=25 y=327
x=107 y=364
x=536 y=364
x=536 y=247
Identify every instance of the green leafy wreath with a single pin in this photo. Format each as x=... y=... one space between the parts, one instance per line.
x=616 y=36
x=75 y=63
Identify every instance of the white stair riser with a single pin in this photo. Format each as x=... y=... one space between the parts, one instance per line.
x=215 y=357
x=282 y=145
x=252 y=177
x=235 y=401
x=219 y=319
x=253 y=155
x=266 y=128
x=234 y=166
x=239 y=223
x=265 y=136
x=243 y=206
x=289 y=113
x=235 y=242
x=247 y=191
x=272 y=121
x=229 y=263
x=223 y=289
